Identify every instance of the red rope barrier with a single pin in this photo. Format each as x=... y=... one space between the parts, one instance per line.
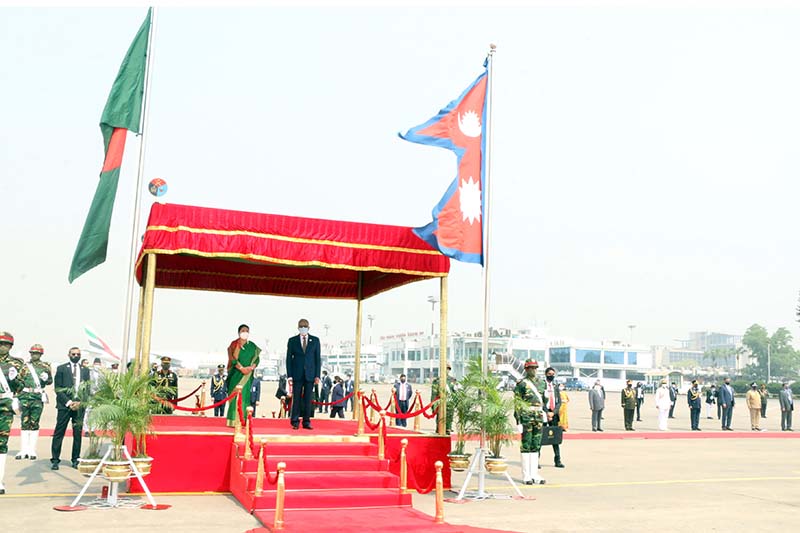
x=412 y=414
x=194 y=409
x=314 y=402
x=413 y=476
x=183 y=398
x=369 y=424
x=239 y=404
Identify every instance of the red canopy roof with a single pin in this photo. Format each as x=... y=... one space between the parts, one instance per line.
x=236 y=251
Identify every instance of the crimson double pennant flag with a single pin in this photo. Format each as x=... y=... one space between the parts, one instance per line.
x=457 y=226
x=122 y=113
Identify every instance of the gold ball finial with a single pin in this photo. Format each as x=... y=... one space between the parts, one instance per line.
x=492 y=46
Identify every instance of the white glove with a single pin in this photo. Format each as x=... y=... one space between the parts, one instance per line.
x=519 y=429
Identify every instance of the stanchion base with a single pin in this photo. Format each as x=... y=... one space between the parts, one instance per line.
x=156 y=507
x=523 y=498
x=70 y=508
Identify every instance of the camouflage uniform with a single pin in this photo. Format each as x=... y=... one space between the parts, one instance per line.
x=529 y=413
x=11 y=368
x=167 y=380
x=31 y=401
x=451 y=386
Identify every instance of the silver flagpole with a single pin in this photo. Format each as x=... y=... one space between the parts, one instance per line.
x=486 y=240
x=148 y=77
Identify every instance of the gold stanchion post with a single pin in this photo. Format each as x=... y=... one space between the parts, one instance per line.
x=374 y=398
x=403 y=466
x=202 y=398
x=237 y=425
x=360 y=412
x=419 y=406
x=280 y=494
x=147 y=319
x=439 y=493
x=248 y=454
x=260 y=472
x=393 y=400
x=381 y=444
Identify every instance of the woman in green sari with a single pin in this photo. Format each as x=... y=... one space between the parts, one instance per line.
x=242 y=361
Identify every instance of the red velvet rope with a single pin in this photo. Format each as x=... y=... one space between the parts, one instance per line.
x=239 y=404
x=366 y=419
x=412 y=414
x=193 y=409
x=336 y=402
x=191 y=393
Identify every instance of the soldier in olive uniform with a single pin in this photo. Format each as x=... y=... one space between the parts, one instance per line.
x=10 y=384
x=451 y=385
x=167 y=380
x=629 y=405
x=529 y=413
x=35 y=376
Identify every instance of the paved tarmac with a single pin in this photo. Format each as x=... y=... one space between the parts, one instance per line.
x=730 y=484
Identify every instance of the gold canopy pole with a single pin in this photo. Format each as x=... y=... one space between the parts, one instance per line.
x=147 y=325
x=357 y=414
x=138 y=341
x=443 y=390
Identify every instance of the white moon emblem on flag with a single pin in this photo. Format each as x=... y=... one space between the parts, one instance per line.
x=470 y=124
x=469 y=197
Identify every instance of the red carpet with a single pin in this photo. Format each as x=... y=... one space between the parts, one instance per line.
x=407 y=519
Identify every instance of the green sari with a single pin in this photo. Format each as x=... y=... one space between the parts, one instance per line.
x=245 y=355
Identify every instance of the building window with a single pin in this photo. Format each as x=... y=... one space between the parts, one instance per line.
x=521 y=354
x=614 y=358
x=635 y=376
x=587 y=356
x=631 y=358
x=612 y=374
x=559 y=355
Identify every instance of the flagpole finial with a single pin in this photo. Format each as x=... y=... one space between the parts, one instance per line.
x=492 y=48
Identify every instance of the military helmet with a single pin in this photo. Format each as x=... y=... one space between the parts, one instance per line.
x=6 y=337
x=36 y=348
x=531 y=363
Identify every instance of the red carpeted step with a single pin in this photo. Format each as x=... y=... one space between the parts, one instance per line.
x=313 y=448
x=404 y=519
x=321 y=463
x=334 y=498
x=327 y=480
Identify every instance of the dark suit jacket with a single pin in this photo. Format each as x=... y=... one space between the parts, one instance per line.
x=255 y=391
x=725 y=397
x=63 y=380
x=397 y=391
x=302 y=366
x=338 y=394
x=327 y=385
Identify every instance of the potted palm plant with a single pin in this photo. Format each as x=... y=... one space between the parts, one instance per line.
x=90 y=458
x=121 y=405
x=492 y=415
x=463 y=403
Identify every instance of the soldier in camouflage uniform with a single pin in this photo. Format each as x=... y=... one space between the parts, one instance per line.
x=10 y=368
x=167 y=380
x=35 y=376
x=529 y=413
x=451 y=385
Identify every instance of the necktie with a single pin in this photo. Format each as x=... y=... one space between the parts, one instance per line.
x=75 y=375
x=305 y=343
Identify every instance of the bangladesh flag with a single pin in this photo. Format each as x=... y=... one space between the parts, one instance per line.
x=122 y=113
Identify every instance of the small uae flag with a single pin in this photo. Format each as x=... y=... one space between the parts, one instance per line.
x=122 y=113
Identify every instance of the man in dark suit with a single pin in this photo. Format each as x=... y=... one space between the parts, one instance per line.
x=552 y=404
x=303 y=365
x=726 y=402
x=402 y=392
x=255 y=393
x=68 y=380
x=787 y=406
x=327 y=385
x=673 y=397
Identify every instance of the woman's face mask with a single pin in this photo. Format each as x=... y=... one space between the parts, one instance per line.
x=244 y=335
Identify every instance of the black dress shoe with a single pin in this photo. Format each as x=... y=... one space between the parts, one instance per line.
x=308 y=427
x=598 y=429
x=54 y=466
x=75 y=464
x=295 y=426
x=559 y=465
x=529 y=482
x=2 y=491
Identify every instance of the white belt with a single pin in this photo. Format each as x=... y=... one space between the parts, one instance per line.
x=29 y=389
x=7 y=396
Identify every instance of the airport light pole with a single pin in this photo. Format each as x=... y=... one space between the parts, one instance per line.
x=631 y=327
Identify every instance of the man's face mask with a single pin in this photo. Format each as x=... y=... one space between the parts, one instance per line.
x=4 y=348
x=98 y=366
x=165 y=366
x=35 y=356
x=303 y=330
x=550 y=377
x=75 y=358
x=402 y=380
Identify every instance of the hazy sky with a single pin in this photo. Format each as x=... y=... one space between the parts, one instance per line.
x=645 y=160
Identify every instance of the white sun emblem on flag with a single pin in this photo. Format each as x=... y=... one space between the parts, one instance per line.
x=469 y=194
x=470 y=124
